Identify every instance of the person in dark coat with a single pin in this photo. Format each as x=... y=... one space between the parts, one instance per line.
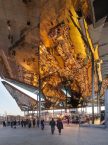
x=59 y=125
x=34 y=122
x=42 y=124
x=25 y=123
x=14 y=123
x=22 y=123
x=68 y=120
x=4 y=124
x=52 y=124
x=37 y=122
x=29 y=124
x=11 y=124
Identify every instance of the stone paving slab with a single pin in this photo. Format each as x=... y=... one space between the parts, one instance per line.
x=71 y=135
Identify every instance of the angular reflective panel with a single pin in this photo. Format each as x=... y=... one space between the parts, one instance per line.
x=57 y=46
x=25 y=102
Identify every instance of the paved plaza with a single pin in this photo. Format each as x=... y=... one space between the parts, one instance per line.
x=71 y=135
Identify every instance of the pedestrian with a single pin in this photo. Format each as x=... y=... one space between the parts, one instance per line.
x=34 y=123
x=4 y=124
x=19 y=122
x=29 y=124
x=68 y=120
x=11 y=124
x=88 y=120
x=59 y=125
x=52 y=124
x=42 y=124
x=38 y=122
x=22 y=123
x=14 y=123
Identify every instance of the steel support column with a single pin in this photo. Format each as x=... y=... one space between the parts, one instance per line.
x=39 y=85
x=66 y=101
x=53 y=111
x=37 y=105
x=98 y=104
x=93 y=89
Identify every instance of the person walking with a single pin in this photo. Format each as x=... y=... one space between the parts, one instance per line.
x=38 y=122
x=52 y=124
x=42 y=124
x=22 y=123
x=68 y=120
x=11 y=123
x=29 y=123
x=34 y=123
x=4 y=124
x=15 y=123
x=59 y=125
